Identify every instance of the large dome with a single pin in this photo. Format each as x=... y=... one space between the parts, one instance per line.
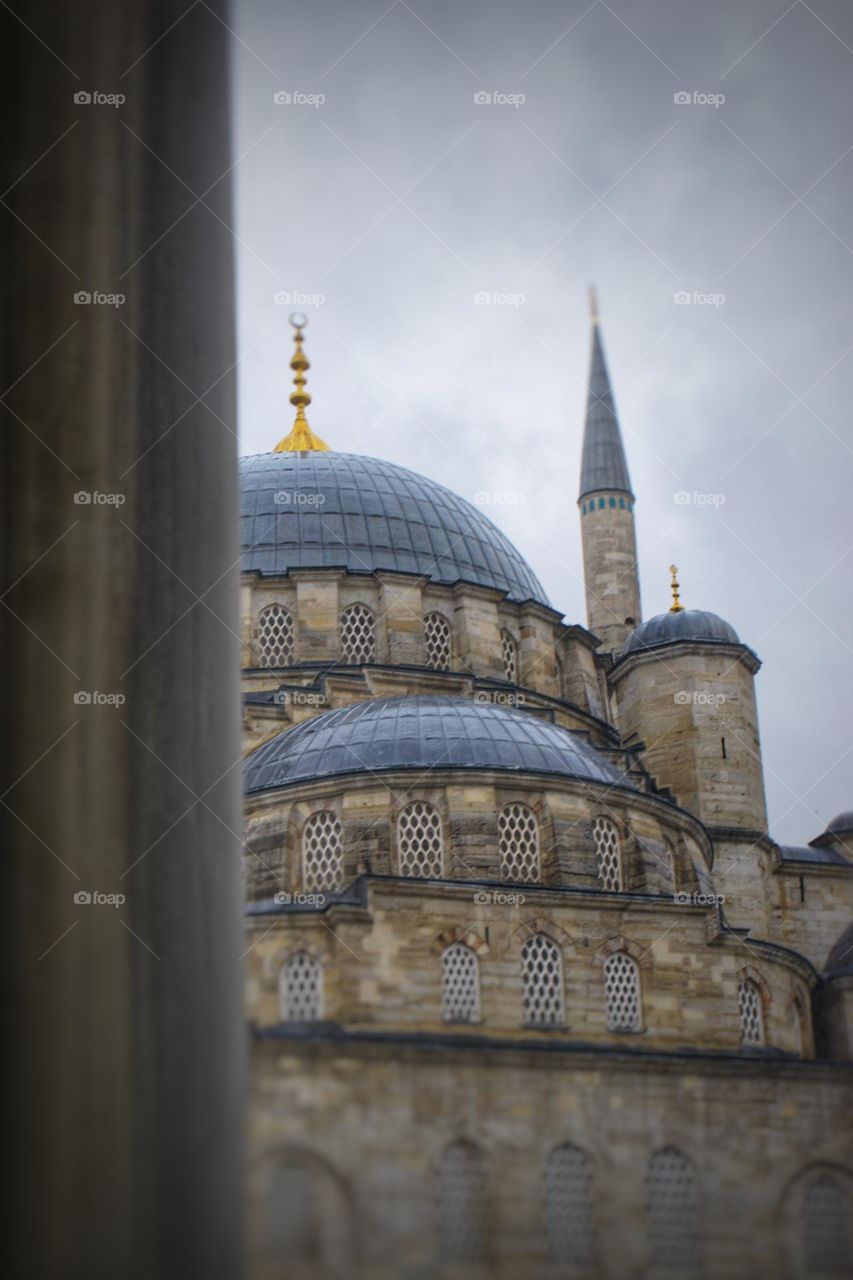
x=672 y=628
x=341 y=510
x=423 y=733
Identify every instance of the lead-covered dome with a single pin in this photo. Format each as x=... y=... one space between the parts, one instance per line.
x=672 y=628
x=424 y=733
x=340 y=510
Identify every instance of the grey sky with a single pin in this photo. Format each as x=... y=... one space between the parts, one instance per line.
x=399 y=198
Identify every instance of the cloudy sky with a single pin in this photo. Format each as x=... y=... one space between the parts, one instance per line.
x=389 y=197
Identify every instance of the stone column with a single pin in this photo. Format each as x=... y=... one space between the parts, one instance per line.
x=125 y=1039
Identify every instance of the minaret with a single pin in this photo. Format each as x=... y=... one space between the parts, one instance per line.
x=300 y=438
x=606 y=508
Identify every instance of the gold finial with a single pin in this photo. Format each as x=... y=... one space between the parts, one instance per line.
x=676 y=606
x=301 y=438
x=593 y=304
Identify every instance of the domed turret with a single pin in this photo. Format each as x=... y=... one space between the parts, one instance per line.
x=674 y=627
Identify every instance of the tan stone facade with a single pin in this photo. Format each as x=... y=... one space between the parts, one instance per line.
x=611 y=578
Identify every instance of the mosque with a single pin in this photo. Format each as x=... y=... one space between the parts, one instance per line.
x=533 y=993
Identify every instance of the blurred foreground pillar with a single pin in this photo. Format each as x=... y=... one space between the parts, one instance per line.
x=121 y=931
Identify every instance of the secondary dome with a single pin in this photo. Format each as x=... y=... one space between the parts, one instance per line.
x=341 y=510
x=423 y=733
x=686 y=624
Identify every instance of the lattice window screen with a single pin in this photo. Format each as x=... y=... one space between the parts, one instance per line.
x=518 y=842
x=358 y=634
x=275 y=637
x=419 y=840
x=301 y=989
x=462 y=1203
x=322 y=853
x=671 y=1190
x=509 y=649
x=751 y=1018
x=609 y=853
x=622 y=989
x=826 y=1226
x=542 y=980
x=460 y=972
x=568 y=1197
x=439 y=645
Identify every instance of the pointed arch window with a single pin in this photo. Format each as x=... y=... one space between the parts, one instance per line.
x=322 y=853
x=460 y=990
x=568 y=1199
x=622 y=991
x=751 y=1012
x=439 y=641
x=608 y=850
x=358 y=634
x=542 y=982
x=419 y=840
x=671 y=1192
x=509 y=652
x=301 y=989
x=275 y=632
x=462 y=1203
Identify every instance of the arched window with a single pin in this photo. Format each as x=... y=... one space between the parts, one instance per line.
x=509 y=651
x=518 y=842
x=568 y=1199
x=826 y=1226
x=462 y=1203
x=751 y=1014
x=460 y=984
x=322 y=853
x=301 y=989
x=419 y=842
x=358 y=634
x=609 y=853
x=275 y=637
x=671 y=1191
x=439 y=646
x=622 y=989
x=542 y=981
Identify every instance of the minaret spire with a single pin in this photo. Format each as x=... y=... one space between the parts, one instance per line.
x=606 y=505
x=301 y=438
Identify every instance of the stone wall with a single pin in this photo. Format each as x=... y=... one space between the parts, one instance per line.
x=610 y=570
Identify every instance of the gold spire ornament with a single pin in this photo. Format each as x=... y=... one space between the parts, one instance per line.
x=676 y=606
x=300 y=439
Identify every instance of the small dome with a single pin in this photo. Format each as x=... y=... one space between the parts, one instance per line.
x=343 y=511
x=671 y=628
x=424 y=733
x=840 y=962
x=842 y=824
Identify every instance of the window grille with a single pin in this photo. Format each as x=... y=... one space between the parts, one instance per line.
x=509 y=649
x=542 y=980
x=275 y=637
x=438 y=641
x=462 y=1203
x=609 y=853
x=518 y=842
x=826 y=1226
x=419 y=840
x=322 y=853
x=671 y=1189
x=301 y=989
x=568 y=1198
x=622 y=989
x=358 y=634
x=751 y=1020
x=460 y=972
